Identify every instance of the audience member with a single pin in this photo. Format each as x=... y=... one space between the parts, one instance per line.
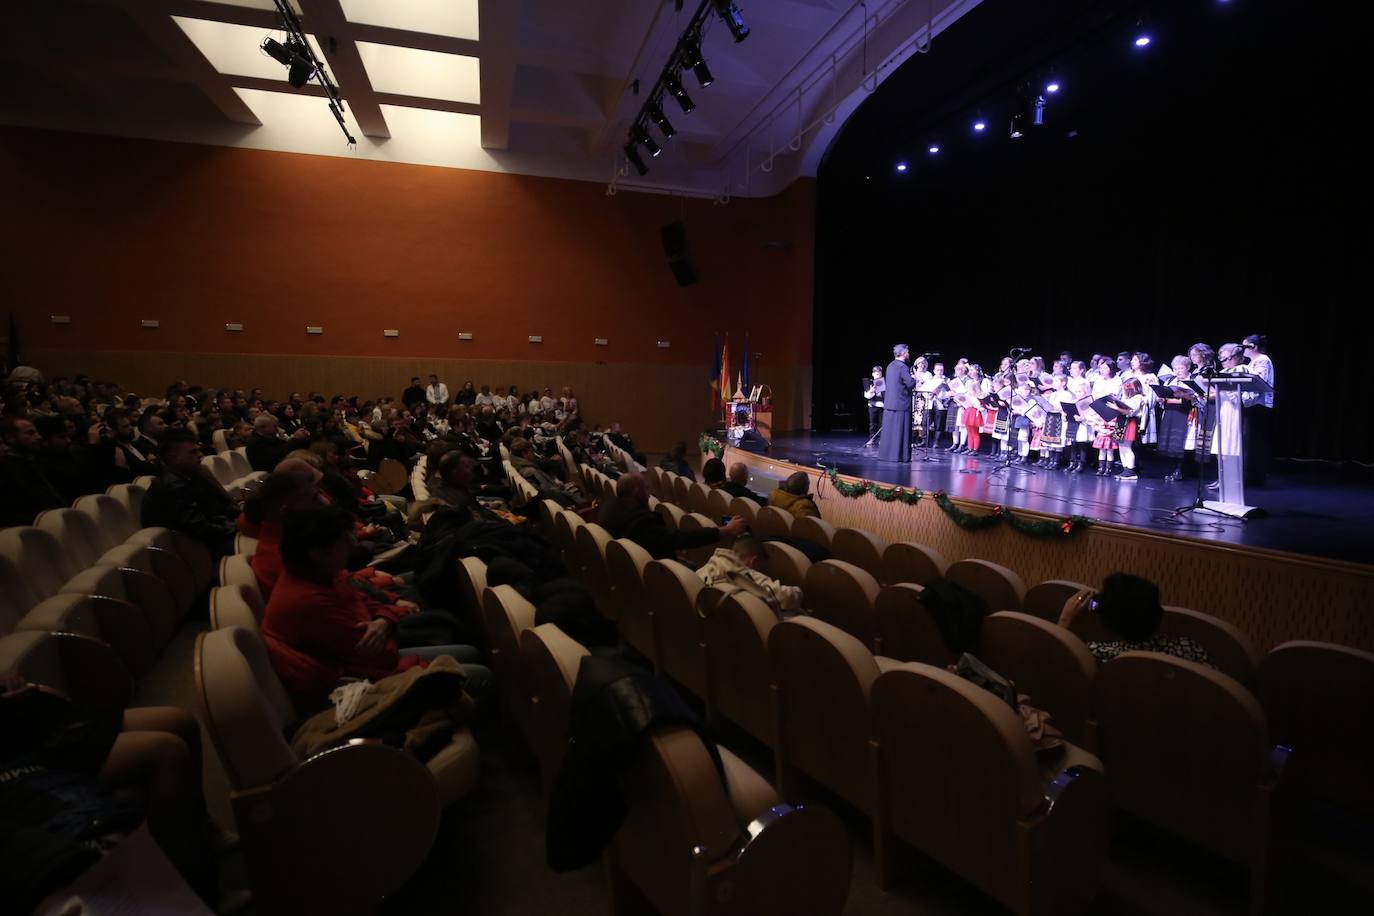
x=736 y=484
x=627 y=515
x=187 y=498
x=793 y=496
x=266 y=448
x=735 y=569
x=1128 y=607
x=524 y=460
x=676 y=461
x=25 y=487
x=151 y=426
x=414 y=393
x=436 y=392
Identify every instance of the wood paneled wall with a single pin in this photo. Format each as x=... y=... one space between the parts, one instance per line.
x=658 y=405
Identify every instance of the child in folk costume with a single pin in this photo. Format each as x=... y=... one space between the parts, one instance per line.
x=1054 y=436
x=936 y=388
x=976 y=388
x=1078 y=430
x=1143 y=368
x=1025 y=429
x=1004 y=387
x=1105 y=385
x=1123 y=430
x=1178 y=422
x=954 y=412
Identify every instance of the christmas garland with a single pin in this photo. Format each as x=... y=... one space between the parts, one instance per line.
x=711 y=444
x=969 y=521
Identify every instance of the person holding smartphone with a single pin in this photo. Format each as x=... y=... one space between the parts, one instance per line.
x=1128 y=608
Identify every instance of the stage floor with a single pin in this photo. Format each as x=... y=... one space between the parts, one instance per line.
x=1314 y=511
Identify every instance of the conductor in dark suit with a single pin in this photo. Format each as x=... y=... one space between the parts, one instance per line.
x=895 y=444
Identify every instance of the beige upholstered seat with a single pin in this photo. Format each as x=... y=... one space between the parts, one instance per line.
x=220 y=468
x=565 y=526
x=46 y=570
x=390 y=477
x=690 y=846
x=842 y=594
x=697 y=495
x=717 y=505
x=245 y=545
x=1186 y=749
x=772 y=522
x=862 y=548
x=235 y=606
x=304 y=822
x=1228 y=649
x=671 y=589
x=915 y=563
x=785 y=563
x=87 y=544
x=906 y=631
x=574 y=469
x=1001 y=588
x=548 y=517
x=1319 y=699
x=1046 y=599
x=220 y=441
x=672 y=514
x=815 y=530
x=550 y=660
x=118 y=516
x=959 y=780
x=745 y=507
x=825 y=729
x=591 y=540
x=506 y=614
x=236 y=569
x=472 y=583
x=696 y=556
x=89 y=671
x=626 y=562
x=739 y=674
x=1046 y=662
x=682 y=493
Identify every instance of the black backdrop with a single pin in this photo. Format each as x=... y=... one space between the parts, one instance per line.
x=1218 y=184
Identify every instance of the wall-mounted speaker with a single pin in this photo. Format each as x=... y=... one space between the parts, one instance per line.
x=679 y=254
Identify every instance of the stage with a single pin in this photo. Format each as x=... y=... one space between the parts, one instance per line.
x=1307 y=512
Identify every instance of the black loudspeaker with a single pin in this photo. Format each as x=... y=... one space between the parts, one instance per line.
x=679 y=255
x=751 y=441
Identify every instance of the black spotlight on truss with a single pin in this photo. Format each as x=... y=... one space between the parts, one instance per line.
x=632 y=156
x=302 y=65
x=692 y=59
x=294 y=56
x=654 y=112
x=734 y=21
x=674 y=87
x=641 y=136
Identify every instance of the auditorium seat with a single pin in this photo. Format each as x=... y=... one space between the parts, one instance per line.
x=235 y=606
x=739 y=674
x=1228 y=649
x=960 y=782
x=672 y=514
x=550 y=659
x=240 y=468
x=1044 y=661
x=690 y=846
x=574 y=469
x=1001 y=588
x=785 y=563
x=118 y=514
x=1187 y=750
x=390 y=478
x=906 y=631
x=696 y=556
x=301 y=821
x=860 y=547
x=419 y=486
x=506 y=614
x=842 y=594
x=1046 y=599
x=245 y=545
x=672 y=588
x=87 y=544
x=717 y=505
x=75 y=660
x=219 y=468
x=591 y=540
x=220 y=441
x=472 y=583
x=815 y=530
x=824 y=726
x=682 y=493
x=144 y=482
x=48 y=571
x=904 y=561
x=743 y=506
x=1319 y=699
x=565 y=526
x=772 y=522
x=236 y=569
x=697 y=495
x=625 y=565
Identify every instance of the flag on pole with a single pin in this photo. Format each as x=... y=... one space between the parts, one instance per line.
x=724 y=380
x=715 y=375
x=744 y=368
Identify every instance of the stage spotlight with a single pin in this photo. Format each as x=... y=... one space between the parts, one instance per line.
x=692 y=59
x=980 y=125
x=734 y=21
x=1142 y=40
x=674 y=87
x=641 y=136
x=933 y=150
x=1052 y=87
x=295 y=57
x=633 y=157
x=1038 y=111
x=1017 y=131
x=901 y=166
x=655 y=113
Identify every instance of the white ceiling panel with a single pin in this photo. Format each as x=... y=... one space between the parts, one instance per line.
x=422 y=74
x=454 y=18
x=236 y=49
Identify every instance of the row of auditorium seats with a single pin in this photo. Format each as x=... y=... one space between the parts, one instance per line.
x=1130 y=712
x=231 y=468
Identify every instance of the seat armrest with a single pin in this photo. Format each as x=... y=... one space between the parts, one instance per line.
x=85 y=669
x=109 y=620
x=141 y=589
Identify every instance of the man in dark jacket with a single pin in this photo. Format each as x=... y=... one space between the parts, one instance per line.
x=414 y=394
x=25 y=487
x=737 y=484
x=628 y=516
x=187 y=499
x=266 y=449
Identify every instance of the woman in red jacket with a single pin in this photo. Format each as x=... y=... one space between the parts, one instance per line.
x=319 y=629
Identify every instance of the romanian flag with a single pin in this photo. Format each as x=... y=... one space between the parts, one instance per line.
x=715 y=375
x=744 y=368
x=724 y=381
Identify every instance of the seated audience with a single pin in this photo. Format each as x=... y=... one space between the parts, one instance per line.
x=266 y=448
x=151 y=426
x=282 y=492
x=319 y=628
x=526 y=464
x=414 y=393
x=735 y=569
x=436 y=392
x=141 y=463
x=793 y=496
x=622 y=440
x=736 y=484
x=1128 y=606
x=676 y=461
x=25 y=486
x=628 y=516
x=187 y=498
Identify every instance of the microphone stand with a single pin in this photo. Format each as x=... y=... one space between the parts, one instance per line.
x=1203 y=447
x=924 y=447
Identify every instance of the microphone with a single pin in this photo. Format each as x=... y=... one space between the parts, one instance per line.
x=1021 y=349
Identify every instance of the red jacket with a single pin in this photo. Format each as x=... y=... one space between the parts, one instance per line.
x=267 y=565
x=311 y=632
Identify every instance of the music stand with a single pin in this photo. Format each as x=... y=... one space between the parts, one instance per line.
x=1230 y=446
x=1010 y=461
x=924 y=447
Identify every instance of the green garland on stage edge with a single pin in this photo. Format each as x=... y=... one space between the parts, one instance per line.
x=711 y=444
x=969 y=521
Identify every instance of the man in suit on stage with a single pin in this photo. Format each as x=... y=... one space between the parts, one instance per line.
x=895 y=444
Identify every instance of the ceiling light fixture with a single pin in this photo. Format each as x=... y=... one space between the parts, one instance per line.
x=642 y=136
x=296 y=54
x=734 y=21
x=632 y=156
x=692 y=60
x=674 y=87
x=654 y=112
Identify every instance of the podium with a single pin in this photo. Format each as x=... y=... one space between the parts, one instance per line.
x=1229 y=442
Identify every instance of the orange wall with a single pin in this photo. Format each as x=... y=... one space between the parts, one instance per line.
x=111 y=231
